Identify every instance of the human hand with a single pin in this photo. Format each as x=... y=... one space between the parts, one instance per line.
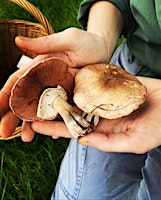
x=137 y=133
x=77 y=47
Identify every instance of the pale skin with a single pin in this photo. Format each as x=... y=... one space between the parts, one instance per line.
x=137 y=133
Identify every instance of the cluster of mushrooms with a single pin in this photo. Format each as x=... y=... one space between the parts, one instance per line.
x=49 y=90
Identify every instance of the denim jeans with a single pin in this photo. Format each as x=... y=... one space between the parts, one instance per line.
x=89 y=174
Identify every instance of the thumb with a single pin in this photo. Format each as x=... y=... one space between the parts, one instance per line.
x=111 y=142
x=44 y=45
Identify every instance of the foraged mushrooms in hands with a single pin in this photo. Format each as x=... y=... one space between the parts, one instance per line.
x=42 y=93
x=107 y=91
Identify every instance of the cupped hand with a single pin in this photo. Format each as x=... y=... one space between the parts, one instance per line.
x=136 y=133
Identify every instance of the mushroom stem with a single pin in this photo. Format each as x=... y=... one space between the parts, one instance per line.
x=75 y=123
x=92 y=119
x=54 y=101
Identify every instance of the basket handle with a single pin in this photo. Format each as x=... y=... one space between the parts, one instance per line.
x=35 y=12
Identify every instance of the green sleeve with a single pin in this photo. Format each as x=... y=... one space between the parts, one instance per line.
x=122 y=5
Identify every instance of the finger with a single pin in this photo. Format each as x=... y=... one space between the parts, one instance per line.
x=4 y=102
x=27 y=132
x=8 y=124
x=51 y=128
x=44 y=45
x=5 y=93
x=150 y=83
x=55 y=137
x=112 y=142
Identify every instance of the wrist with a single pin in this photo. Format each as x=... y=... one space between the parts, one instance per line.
x=108 y=23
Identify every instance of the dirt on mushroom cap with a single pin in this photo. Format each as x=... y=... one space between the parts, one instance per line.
x=107 y=91
x=27 y=90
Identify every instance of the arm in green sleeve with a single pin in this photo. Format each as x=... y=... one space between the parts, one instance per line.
x=122 y=5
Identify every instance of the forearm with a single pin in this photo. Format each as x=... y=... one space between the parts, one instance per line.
x=107 y=21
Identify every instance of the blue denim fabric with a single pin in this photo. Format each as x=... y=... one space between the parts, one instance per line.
x=89 y=174
x=123 y=58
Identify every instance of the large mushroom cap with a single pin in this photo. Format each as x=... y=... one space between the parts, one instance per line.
x=27 y=90
x=107 y=91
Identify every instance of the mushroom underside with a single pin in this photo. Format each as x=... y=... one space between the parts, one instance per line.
x=26 y=92
x=48 y=84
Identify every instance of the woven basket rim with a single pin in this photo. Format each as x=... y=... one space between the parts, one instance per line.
x=35 y=12
x=24 y=22
x=18 y=20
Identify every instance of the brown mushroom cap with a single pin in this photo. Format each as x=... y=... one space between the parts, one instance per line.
x=107 y=91
x=27 y=90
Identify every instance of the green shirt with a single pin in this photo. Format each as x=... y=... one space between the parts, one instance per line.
x=142 y=28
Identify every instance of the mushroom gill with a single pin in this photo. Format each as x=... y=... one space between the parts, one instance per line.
x=27 y=90
x=46 y=91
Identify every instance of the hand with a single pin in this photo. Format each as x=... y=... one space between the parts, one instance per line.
x=75 y=46
x=137 y=133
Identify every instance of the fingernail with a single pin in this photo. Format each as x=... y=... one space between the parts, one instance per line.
x=83 y=142
x=55 y=137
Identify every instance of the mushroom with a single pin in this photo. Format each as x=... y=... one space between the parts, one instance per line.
x=101 y=90
x=42 y=94
x=107 y=91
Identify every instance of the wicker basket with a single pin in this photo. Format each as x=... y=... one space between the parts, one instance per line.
x=9 y=52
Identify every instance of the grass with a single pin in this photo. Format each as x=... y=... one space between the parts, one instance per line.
x=60 y=15
x=29 y=171
x=26 y=167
